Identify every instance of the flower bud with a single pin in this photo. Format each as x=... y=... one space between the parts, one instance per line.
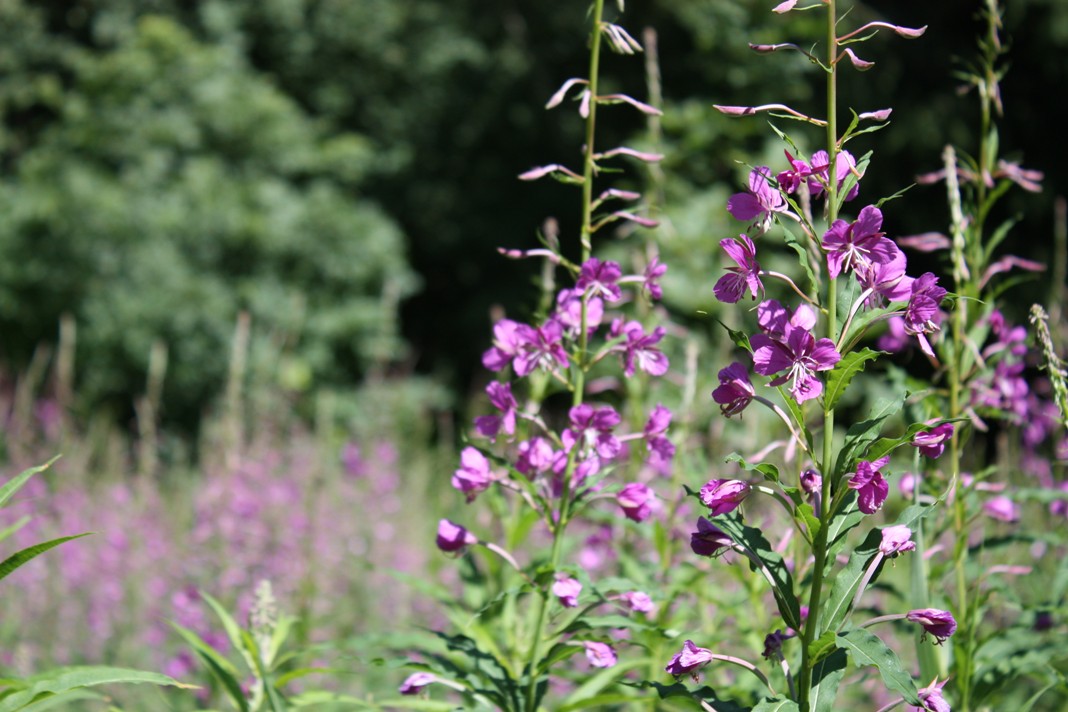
x=938 y=623
x=723 y=496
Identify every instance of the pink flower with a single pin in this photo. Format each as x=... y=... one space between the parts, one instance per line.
x=415 y=683
x=896 y=540
x=453 y=537
x=937 y=622
x=709 y=540
x=797 y=351
x=735 y=391
x=474 y=475
x=760 y=202
x=567 y=590
x=689 y=659
x=600 y=655
x=843 y=166
x=639 y=349
x=723 y=496
x=1001 y=508
x=870 y=485
x=598 y=278
x=539 y=347
x=635 y=499
x=931 y=697
x=858 y=244
x=921 y=315
x=638 y=601
x=933 y=442
x=501 y=398
x=746 y=275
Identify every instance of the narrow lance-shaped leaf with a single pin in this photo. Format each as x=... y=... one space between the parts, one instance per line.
x=19 y=558
x=782 y=582
x=65 y=679
x=842 y=374
x=15 y=483
x=827 y=675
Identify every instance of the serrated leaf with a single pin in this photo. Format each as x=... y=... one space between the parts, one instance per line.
x=8 y=565
x=65 y=679
x=842 y=374
x=866 y=648
x=782 y=581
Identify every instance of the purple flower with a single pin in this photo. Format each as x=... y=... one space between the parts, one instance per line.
x=352 y=460
x=790 y=180
x=474 y=475
x=746 y=275
x=653 y=272
x=659 y=421
x=933 y=442
x=639 y=349
x=539 y=347
x=735 y=392
x=638 y=601
x=843 y=166
x=569 y=312
x=870 y=485
x=453 y=537
x=505 y=345
x=501 y=398
x=1001 y=508
x=857 y=244
x=798 y=353
x=723 y=496
x=921 y=315
x=598 y=278
x=773 y=644
x=887 y=280
x=896 y=339
x=938 y=623
x=896 y=540
x=592 y=429
x=415 y=683
x=811 y=482
x=931 y=697
x=689 y=659
x=567 y=590
x=760 y=202
x=709 y=540
x=600 y=655
x=635 y=499
x=535 y=456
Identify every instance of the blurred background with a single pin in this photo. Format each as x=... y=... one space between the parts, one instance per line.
x=248 y=251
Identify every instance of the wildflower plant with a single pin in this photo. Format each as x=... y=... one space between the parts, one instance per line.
x=559 y=459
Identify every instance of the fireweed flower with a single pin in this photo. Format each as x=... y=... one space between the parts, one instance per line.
x=811 y=482
x=760 y=202
x=938 y=623
x=723 y=496
x=931 y=697
x=501 y=398
x=921 y=315
x=638 y=601
x=895 y=339
x=790 y=180
x=932 y=443
x=639 y=349
x=598 y=278
x=870 y=485
x=688 y=660
x=1002 y=509
x=535 y=456
x=735 y=392
x=732 y=286
x=505 y=345
x=567 y=590
x=415 y=683
x=569 y=312
x=653 y=272
x=843 y=166
x=709 y=540
x=855 y=245
x=539 y=347
x=896 y=540
x=886 y=280
x=453 y=537
x=799 y=354
x=592 y=430
x=600 y=655
x=636 y=501
x=661 y=450
x=474 y=475
x=773 y=644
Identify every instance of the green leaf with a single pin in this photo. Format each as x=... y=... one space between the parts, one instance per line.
x=782 y=582
x=740 y=338
x=223 y=670
x=822 y=646
x=851 y=179
x=66 y=679
x=8 y=531
x=19 y=558
x=779 y=704
x=808 y=516
x=15 y=483
x=842 y=374
x=233 y=630
x=861 y=435
x=802 y=255
x=826 y=676
x=588 y=694
x=770 y=472
x=867 y=649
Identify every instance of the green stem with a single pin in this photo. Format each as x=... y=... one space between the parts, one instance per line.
x=820 y=545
